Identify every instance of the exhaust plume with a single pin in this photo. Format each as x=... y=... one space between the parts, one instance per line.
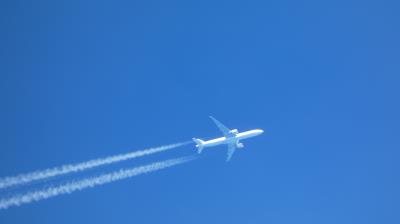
x=71 y=187
x=72 y=168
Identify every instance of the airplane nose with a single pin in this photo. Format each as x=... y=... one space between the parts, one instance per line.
x=260 y=131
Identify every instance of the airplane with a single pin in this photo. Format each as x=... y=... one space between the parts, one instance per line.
x=231 y=138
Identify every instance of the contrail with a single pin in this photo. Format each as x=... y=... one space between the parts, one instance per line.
x=89 y=182
x=71 y=168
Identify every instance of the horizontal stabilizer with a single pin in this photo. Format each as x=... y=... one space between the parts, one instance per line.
x=199 y=144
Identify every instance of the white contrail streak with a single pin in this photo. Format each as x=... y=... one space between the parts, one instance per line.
x=71 y=168
x=89 y=182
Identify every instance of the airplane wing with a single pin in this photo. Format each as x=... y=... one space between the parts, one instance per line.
x=223 y=128
x=231 y=150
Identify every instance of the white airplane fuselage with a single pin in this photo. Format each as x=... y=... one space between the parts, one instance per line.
x=235 y=139
x=231 y=138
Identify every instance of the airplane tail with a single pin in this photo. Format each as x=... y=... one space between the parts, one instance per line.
x=199 y=144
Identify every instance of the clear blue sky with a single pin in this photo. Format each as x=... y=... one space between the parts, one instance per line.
x=86 y=79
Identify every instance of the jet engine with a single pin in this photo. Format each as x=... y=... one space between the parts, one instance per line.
x=239 y=145
x=234 y=131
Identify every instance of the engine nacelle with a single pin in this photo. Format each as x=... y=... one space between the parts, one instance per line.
x=239 y=145
x=234 y=131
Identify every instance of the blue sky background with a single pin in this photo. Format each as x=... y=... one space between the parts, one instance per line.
x=86 y=79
